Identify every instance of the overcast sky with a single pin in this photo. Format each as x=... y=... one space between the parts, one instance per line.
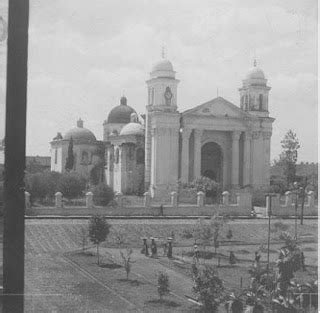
x=83 y=55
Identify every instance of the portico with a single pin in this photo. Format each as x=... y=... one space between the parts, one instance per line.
x=229 y=130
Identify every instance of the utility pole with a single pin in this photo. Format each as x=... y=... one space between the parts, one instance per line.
x=15 y=138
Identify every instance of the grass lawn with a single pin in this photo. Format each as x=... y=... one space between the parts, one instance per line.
x=59 y=279
x=140 y=289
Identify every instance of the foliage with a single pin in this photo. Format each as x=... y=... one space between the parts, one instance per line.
x=278 y=184
x=163 y=284
x=208 y=288
x=98 y=231
x=71 y=185
x=288 y=262
x=70 y=157
x=203 y=232
x=210 y=187
x=279 y=226
x=288 y=158
x=102 y=194
x=126 y=259
x=42 y=185
x=217 y=223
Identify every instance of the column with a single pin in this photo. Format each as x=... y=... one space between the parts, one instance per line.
x=197 y=153
x=266 y=147
x=246 y=158
x=185 y=155
x=235 y=158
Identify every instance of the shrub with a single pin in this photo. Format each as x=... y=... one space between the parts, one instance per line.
x=102 y=194
x=42 y=185
x=163 y=284
x=71 y=185
x=208 y=288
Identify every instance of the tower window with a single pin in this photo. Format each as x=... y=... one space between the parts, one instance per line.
x=55 y=156
x=260 y=102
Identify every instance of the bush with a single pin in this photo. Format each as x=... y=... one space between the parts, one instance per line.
x=71 y=185
x=208 y=288
x=102 y=194
x=163 y=284
x=42 y=185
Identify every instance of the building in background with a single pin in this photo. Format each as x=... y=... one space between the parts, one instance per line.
x=227 y=143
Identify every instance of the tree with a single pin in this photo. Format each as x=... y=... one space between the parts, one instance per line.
x=208 y=288
x=127 y=262
x=98 y=231
x=102 y=194
x=288 y=158
x=217 y=223
x=163 y=284
x=83 y=236
x=42 y=185
x=72 y=185
x=70 y=157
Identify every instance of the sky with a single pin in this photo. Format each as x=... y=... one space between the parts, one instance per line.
x=84 y=55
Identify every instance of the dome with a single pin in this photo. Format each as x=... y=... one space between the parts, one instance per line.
x=121 y=113
x=132 y=129
x=162 y=65
x=80 y=133
x=255 y=72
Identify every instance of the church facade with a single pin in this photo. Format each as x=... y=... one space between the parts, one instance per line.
x=227 y=143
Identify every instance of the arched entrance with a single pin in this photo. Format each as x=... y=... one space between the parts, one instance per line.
x=211 y=162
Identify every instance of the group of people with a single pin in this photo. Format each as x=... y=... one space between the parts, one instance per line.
x=167 y=248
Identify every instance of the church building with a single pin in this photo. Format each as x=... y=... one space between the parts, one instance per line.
x=218 y=139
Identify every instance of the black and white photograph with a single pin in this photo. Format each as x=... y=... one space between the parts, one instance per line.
x=159 y=156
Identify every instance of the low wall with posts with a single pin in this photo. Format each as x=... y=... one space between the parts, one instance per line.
x=285 y=206
x=240 y=207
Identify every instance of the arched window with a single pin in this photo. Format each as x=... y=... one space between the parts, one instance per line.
x=260 y=102
x=140 y=156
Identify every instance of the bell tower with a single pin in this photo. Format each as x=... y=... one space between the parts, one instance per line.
x=162 y=130
x=254 y=92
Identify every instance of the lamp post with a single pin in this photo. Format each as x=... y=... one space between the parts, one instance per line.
x=269 y=197
x=295 y=184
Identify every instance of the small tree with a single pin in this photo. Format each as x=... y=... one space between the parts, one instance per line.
x=163 y=285
x=98 y=231
x=83 y=236
x=70 y=157
x=217 y=223
x=208 y=288
x=288 y=158
x=127 y=262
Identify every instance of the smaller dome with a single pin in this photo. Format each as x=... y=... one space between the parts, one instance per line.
x=132 y=129
x=162 y=65
x=80 y=133
x=121 y=113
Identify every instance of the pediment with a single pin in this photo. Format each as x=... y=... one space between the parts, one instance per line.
x=218 y=107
